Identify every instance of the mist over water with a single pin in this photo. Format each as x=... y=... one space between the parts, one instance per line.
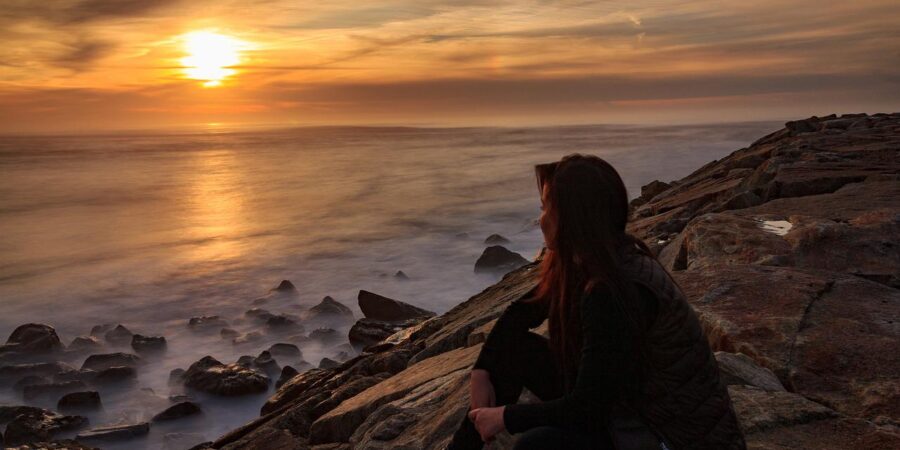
x=149 y=230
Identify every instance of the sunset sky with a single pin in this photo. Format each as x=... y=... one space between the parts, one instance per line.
x=79 y=65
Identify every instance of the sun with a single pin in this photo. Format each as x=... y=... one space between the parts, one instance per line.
x=210 y=56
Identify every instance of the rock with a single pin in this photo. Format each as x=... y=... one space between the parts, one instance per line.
x=177 y=411
x=286 y=350
x=378 y=307
x=85 y=344
x=176 y=376
x=328 y=363
x=287 y=372
x=148 y=344
x=325 y=335
x=328 y=308
x=76 y=375
x=32 y=339
x=497 y=259
x=496 y=239
x=34 y=391
x=77 y=401
x=209 y=375
x=204 y=323
x=64 y=444
x=267 y=363
x=18 y=371
x=99 y=330
x=228 y=333
x=740 y=369
x=654 y=188
x=285 y=286
x=760 y=409
x=248 y=338
x=10 y=412
x=115 y=374
x=282 y=322
x=115 y=432
x=258 y=314
x=401 y=276
x=118 y=335
x=366 y=332
x=35 y=425
x=107 y=360
x=181 y=441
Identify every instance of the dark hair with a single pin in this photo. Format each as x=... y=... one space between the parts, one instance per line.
x=588 y=205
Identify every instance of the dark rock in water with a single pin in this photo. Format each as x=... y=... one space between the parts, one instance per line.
x=115 y=432
x=325 y=335
x=148 y=344
x=267 y=363
x=246 y=361
x=32 y=338
x=35 y=425
x=85 y=343
x=341 y=356
x=178 y=398
x=366 y=332
x=18 y=371
x=77 y=401
x=285 y=286
x=52 y=389
x=30 y=380
x=401 y=276
x=287 y=372
x=176 y=376
x=378 y=307
x=118 y=335
x=99 y=330
x=259 y=314
x=281 y=322
x=249 y=338
x=107 y=360
x=283 y=349
x=76 y=375
x=496 y=239
x=206 y=323
x=328 y=363
x=328 y=307
x=210 y=375
x=115 y=373
x=497 y=258
x=177 y=411
x=10 y=412
x=228 y=333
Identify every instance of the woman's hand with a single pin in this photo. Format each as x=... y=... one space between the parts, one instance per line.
x=488 y=422
x=481 y=390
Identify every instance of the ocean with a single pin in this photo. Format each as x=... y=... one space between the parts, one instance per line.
x=150 y=229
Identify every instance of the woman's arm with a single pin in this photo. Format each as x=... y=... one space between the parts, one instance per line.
x=601 y=373
x=518 y=317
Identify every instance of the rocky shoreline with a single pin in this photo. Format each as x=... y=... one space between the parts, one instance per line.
x=788 y=250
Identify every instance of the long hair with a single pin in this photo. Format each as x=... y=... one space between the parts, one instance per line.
x=587 y=204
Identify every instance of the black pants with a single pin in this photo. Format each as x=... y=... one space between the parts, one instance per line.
x=530 y=364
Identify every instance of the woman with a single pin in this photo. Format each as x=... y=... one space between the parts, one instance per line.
x=627 y=365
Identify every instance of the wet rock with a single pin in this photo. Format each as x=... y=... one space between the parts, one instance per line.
x=18 y=371
x=32 y=339
x=209 y=375
x=285 y=287
x=285 y=350
x=115 y=374
x=206 y=323
x=228 y=333
x=325 y=335
x=118 y=335
x=176 y=376
x=366 y=332
x=283 y=322
x=107 y=360
x=287 y=372
x=328 y=308
x=76 y=375
x=148 y=344
x=328 y=363
x=497 y=259
x=259 y=314
x=29 y=380
x=177 y=411
x=400 y=275
x=377 y=307
x=35 y=425
x=114 y=432
x=267 y=363
x=34 y=391
x=85 y=344
x=740 y=369
x=79 y=401
x=496 y=239
x=246 y=361
x=249 y=338
x=652 y=189
x=99 y=330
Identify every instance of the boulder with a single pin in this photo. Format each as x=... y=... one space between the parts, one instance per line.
x=249 y=338
x=118 y=335
x=267 y=363
x=497 y=259
x=285 y=287
x=287 y=372
x=32 y=339
x=328 y=308
x=282 y=323
x=107 y=360
x=739 y=369
x=377 y=307
x=325 y=335
x=148 y=344
x=85 y=344
x=177 y=411
x=496 y=239
x=36 y=425
x=366 y=332
x=209 y=375
x=18 y=371
x=206 y=323
x=115 y=374
x=328 y=363
x=400 y=275
x=112 y=433
x=285 y=350
x=54 y=389
x=78 y=401
x=229 y=333
x=30 y=380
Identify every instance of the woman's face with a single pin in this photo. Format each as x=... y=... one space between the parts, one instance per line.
x=545 y=220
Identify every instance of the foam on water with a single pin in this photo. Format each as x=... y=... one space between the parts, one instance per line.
x=150 y=230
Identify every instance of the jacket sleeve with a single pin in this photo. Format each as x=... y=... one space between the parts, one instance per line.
x=518 y=317
x=599 y=378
